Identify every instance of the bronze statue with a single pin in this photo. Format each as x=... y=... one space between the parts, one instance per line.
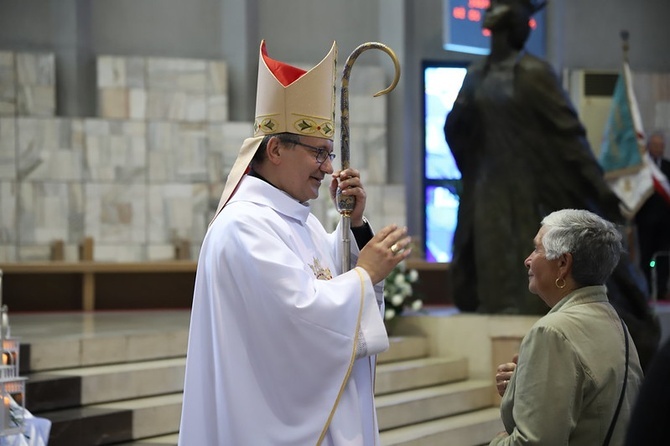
x=523 y=153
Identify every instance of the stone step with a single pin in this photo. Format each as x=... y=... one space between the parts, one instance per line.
x=41 y=355
x=78 y=386
x=460 y=407
x=469 y=429
x=465 y=429
x=94 y=418
x=116 y=380
x=402 y=348
x=83 y=386
x=163 y=440
x=47 y=353
x=417 y=373
x=68 y=388
x=75 y=387
x=415 y=406
x=53 y=341
x=111 y=423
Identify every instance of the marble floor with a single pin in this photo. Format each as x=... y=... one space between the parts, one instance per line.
x=83 y=325
x=119 y=369
x=37 y=326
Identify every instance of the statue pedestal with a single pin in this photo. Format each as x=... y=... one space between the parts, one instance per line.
x=485 y=340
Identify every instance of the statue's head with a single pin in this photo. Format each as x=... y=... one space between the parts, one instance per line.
x=533 y=5
x=512 y=16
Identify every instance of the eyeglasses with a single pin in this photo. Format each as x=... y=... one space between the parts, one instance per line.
x=320 y=153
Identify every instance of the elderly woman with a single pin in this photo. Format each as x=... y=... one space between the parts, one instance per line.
x=577 y=373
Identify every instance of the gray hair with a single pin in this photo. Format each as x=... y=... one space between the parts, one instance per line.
x=261 y=155
x=657 y=132
x=595 y=244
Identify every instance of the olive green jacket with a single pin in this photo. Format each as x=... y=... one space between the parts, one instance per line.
x=569 y=376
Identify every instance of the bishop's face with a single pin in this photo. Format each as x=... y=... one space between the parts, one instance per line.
x=303 y=173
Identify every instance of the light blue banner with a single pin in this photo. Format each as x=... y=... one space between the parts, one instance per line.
x=620 y=150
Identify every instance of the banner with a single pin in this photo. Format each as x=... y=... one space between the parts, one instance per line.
x=622 y=150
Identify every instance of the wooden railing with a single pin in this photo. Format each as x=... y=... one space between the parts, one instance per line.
x=89 y=285
x=87 y=279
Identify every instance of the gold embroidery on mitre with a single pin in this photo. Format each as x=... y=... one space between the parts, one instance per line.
x=265 y=125
x=308 y=125
x=319 y=271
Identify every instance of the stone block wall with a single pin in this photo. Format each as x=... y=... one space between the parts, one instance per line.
x=27 y=84
x=148 y=171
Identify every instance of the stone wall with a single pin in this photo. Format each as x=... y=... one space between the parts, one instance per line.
x=147 y=172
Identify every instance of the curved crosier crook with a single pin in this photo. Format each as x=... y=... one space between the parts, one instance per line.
x=345 y=204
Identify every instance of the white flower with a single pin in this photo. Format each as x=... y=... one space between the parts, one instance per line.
x=413 y=276
x=398 y=291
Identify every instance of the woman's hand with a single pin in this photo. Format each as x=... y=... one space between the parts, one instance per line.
x=504 y=374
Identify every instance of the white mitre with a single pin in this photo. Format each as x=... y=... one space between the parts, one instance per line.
x=288 y=99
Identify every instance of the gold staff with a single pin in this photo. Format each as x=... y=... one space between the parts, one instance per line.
x=345 y=204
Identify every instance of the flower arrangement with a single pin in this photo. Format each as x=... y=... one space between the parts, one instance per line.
x=398 y=291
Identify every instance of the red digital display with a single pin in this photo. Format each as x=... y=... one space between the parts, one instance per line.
x=463 y=28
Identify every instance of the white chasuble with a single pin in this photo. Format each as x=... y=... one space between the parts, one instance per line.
x=274 y=329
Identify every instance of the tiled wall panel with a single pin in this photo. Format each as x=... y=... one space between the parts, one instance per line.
x=147 y=172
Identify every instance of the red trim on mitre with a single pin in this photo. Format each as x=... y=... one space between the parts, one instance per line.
x=286 y=74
